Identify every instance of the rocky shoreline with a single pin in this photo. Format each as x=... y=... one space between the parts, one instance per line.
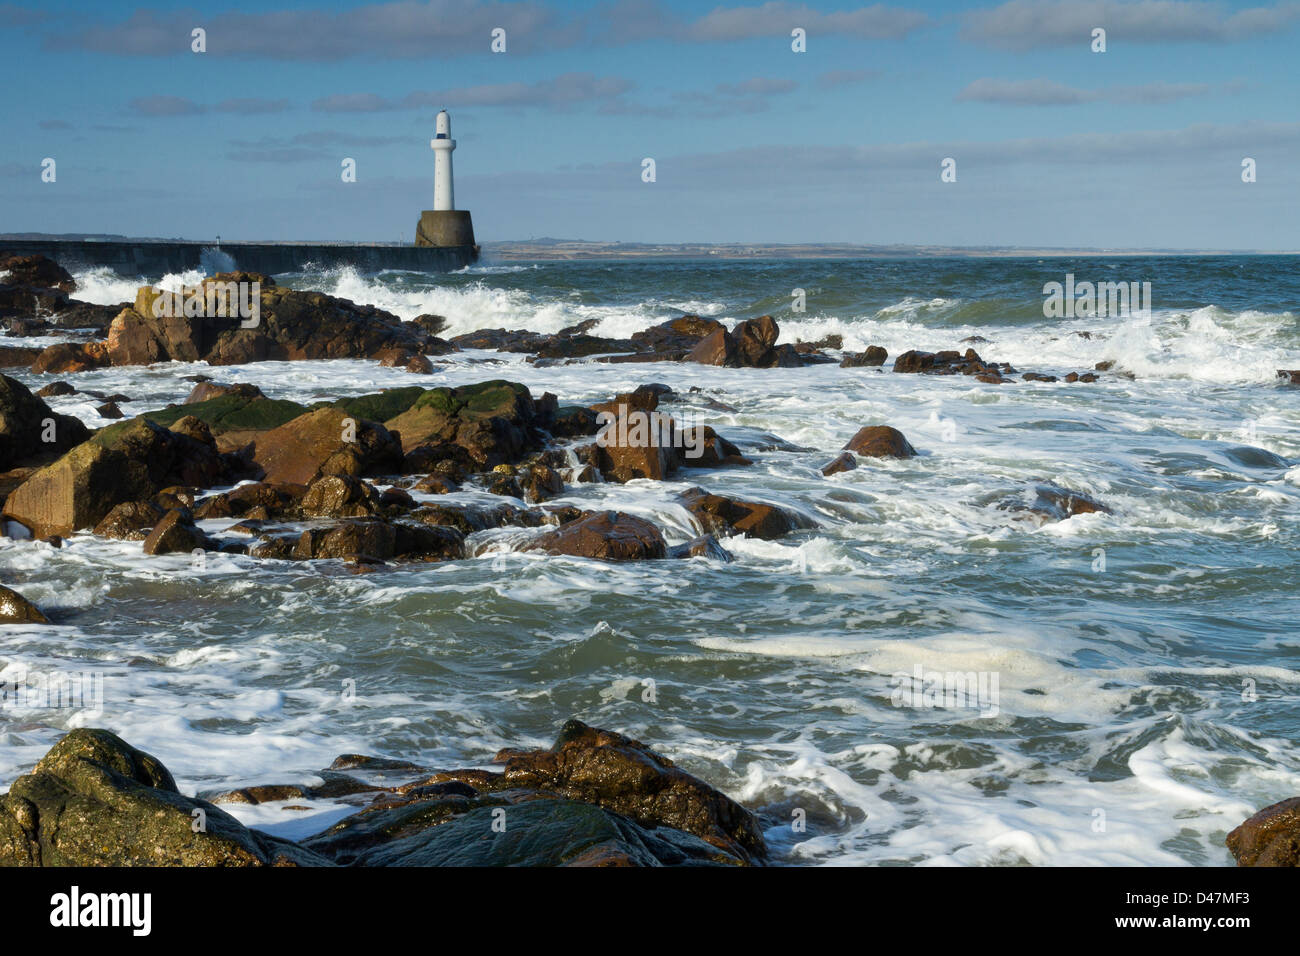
x=359 y=479
x=596 y=798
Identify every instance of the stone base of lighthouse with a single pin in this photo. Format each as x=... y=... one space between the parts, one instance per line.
x=444 y=227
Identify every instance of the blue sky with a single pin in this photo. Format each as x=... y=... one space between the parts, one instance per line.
x=1137 y=147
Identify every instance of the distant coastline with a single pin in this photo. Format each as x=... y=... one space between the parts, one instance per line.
x=549 y=249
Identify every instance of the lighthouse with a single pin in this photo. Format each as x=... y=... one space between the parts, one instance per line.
x=443 y=196
x=444 y=224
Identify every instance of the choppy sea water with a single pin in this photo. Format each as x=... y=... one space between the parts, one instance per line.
x=1145 y=662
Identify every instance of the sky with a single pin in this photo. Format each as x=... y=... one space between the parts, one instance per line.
x=1055 y=145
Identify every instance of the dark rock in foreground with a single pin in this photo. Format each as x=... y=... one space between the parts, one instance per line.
x=93 y=800
x=16 y=609
x=596 y=798
x=26 y=423
x=1269 y=838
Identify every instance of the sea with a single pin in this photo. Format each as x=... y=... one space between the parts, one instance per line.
x=927 y=677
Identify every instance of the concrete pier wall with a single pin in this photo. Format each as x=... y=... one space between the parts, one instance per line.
x=152 y=260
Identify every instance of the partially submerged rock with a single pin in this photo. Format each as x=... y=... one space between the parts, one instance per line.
x=1269 y=838
x=130 y=461
x=722 y=515
x=94 y=800
x=29 y=429
x=16 y=609
x=596 y=798
x=606 y=535
x=880 y=441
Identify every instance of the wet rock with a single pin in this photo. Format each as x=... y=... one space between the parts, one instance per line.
x=176 y=532
x=595 y=799
x=274 y=501
x=604 y=535
x=719 y=514
x=752 y=344
x=428 y=542
x=129 y=521
x=35 y=271
x=702 y=447
x=16 y=609
x=500 y=340
x=234 y=414
x=541 y=483
x=26 y=422
x=492 y=423
x=109 y=410
x=949 y=362
x=419 y=365
x=845 y=461
x=55 y=389
x=205 y=391
x=432 y=324
x=575 y=421
x=1289 y=376
x=1056 y=502
x=436 y=485
x=364 y=540
x=21 y=356
x=291 y=325
x=873 y=356
x=129 y=461
x=617 y=773
x=326 y=442
x=705 y=546
x=1053 y=503
x=880 y=441
x=469 y=518
x=636 y=444
x=645 y=398
x=340 y=496
x=70 y=357
x=677 y=336
x=1269 y=838
x=914 y=361
x=93 y=800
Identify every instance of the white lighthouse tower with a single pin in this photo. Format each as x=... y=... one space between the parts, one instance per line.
x=443 y=196
x=444 y=224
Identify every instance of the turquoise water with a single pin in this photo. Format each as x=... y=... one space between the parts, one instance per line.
x=1145 y=662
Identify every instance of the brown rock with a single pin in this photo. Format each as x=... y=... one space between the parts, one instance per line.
x=16 y=609
x=25 y=424
x=1269 y=838
x=204 y=391
x=326 y=442
x=365 y=540
x=176 y=532
x=129 y=521
x=842 y=462
x=605 y=535
x=702 y=447
x=880 y=441
x=636 y=444
x=129 y=461
x=618 y=773
x=722 y=515
x=340 y=496
x=873 y=356
x=705 y=546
